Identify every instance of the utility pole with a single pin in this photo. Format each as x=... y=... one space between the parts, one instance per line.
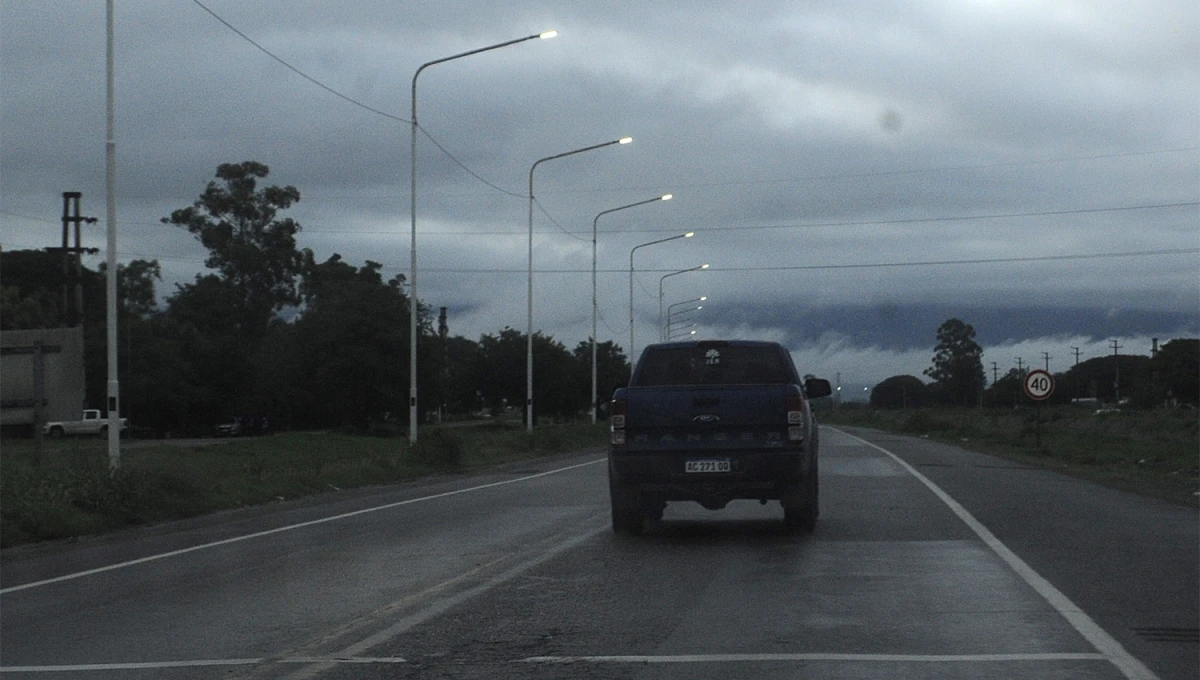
x=39 y=400
x=444 y=373
x=1154 y=374
x=72 y=262
x=1020 y=366
x=995 y=373
x=1075 y=378
x=1117 y=373
x=110 y=191
x=1046 y=356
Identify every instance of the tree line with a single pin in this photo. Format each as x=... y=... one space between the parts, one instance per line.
x=1170 y=377
x=273 y=334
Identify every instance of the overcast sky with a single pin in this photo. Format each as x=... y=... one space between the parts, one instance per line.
x=848 y=168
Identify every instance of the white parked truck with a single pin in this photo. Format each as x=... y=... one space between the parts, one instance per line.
x=92 y=423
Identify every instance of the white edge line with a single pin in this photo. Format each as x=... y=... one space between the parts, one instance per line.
x=291 y=527
x=816 y=656
x=198 y=663
x=1089 y=629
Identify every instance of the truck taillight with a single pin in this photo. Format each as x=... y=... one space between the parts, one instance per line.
x=616 y=414
x=795 y=410
x=616 y=420
x=795 y=417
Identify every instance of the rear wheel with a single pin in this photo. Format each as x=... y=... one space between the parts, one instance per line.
x=800 y=520
x=654 y=510
x=627 y=517
x=57 y=432
x=802 y=507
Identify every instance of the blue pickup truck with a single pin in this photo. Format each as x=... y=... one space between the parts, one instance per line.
x=711 y=422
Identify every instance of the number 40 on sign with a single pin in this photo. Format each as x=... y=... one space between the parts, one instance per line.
x=1039 y=384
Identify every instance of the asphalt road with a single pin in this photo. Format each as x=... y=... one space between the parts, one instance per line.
x=928 y=562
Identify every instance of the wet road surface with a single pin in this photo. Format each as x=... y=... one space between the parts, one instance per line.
x=928 y=562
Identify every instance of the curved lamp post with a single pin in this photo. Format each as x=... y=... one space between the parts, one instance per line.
x=529 y=316
x=661 y=329
x=632 y=354
x=412 y=336
x=671 y=313
x=665 y=197
x=680 y=333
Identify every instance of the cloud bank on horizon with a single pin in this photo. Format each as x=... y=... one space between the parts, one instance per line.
x=1032 y=169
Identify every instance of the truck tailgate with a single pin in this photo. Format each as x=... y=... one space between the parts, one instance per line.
x=707 y=418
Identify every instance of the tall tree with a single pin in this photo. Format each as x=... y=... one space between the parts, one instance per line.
x=1098 y=377
x=251 y=248
x=899 y=391
x=1175 y=371
x=958 y=363
x=136 y=287
x=18 y=311
x=558 y=389
x=352 y=342
x=612 y=369
x=32 y=293
x=1009 y=390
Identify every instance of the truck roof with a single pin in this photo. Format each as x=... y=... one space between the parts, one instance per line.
x=715 y=343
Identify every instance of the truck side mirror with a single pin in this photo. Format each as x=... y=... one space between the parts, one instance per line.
x=817 y=387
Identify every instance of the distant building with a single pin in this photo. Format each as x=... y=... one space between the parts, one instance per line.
x=63 y=386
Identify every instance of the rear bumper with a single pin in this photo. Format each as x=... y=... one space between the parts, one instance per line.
x=753 y=475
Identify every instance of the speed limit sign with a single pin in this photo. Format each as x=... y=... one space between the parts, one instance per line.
x=1039 y=384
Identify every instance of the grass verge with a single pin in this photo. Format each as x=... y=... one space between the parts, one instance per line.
x=1154 y=453
x=73 y=493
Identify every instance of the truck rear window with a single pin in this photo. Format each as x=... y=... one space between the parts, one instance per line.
x=725 y=365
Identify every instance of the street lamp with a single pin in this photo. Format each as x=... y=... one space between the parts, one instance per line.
x=664 y=277
x=632 y=355
x=674 y=318
x=680 y=332
x=412 y=323
x=671 y=313
x=665 y=197
x=529 y=318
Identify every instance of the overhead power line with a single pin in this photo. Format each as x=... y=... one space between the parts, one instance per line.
x=758 y=268
x=353 y=101
x=462 y=165
x=786 y=180
x=906 y=171
x=297 y=71
x=810 y=225
x=869 y=265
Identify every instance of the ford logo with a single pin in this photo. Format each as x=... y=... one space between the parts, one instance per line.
x=706 y=418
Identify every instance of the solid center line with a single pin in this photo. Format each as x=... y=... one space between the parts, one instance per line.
x=291 y=527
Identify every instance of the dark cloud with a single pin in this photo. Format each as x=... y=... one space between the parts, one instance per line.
x=792 y=136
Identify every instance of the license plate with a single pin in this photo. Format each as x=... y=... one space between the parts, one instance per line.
x=712 y=465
